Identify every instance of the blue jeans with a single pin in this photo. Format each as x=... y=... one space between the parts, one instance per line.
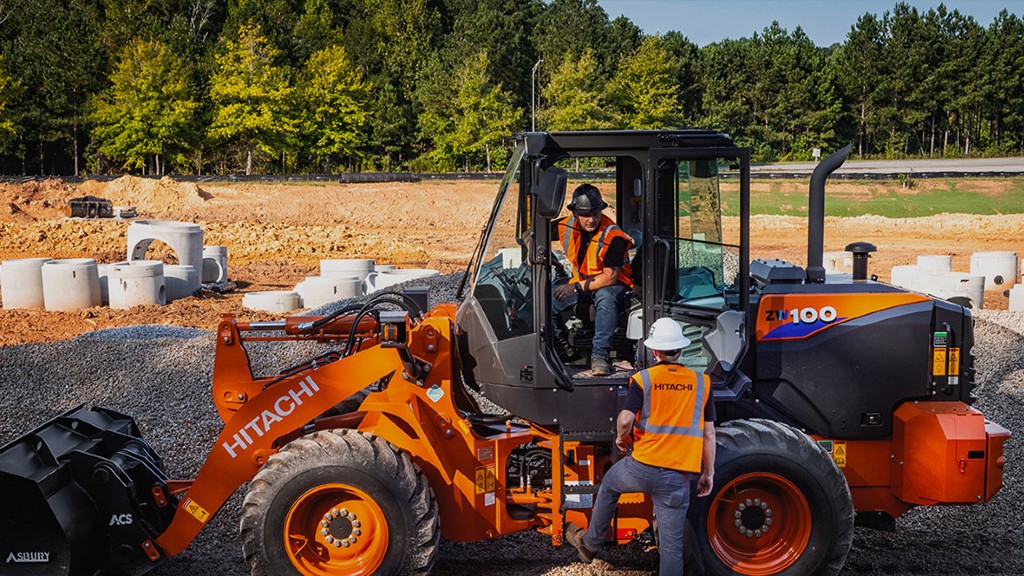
x=607 y=301
x=670 y=492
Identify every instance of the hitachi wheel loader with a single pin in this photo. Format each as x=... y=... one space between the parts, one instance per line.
x=840 y=399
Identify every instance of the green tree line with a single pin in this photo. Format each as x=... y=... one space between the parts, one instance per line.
x=321 y=86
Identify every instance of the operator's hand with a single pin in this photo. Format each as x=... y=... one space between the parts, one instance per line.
x=624 y=442
x=705 y=483
x=564 y=291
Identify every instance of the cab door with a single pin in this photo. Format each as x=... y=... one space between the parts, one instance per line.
x=699 y=257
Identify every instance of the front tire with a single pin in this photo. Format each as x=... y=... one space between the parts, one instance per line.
x=339 y=502
x=780 y=505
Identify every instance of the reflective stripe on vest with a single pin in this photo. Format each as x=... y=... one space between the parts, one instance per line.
x=596 y=251
x=675 y=437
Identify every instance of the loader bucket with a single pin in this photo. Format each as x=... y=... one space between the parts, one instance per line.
x=81 y=494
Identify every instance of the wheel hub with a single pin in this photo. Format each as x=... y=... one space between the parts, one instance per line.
x=753 y=517
x=341 y=528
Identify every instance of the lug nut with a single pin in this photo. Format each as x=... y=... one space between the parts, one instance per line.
x=764 y=505
x=742 y=507
x=344 y=512
x=325 y=523
x=337 y=544
x=738 y=522
x=356 y=523
x=356 y=531
x=335 y=513
x=352 y=539
x=345 y=543
x=329 y=539
x=325 y=532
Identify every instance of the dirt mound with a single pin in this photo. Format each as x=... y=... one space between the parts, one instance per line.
x=150 y=196
x=34 y=200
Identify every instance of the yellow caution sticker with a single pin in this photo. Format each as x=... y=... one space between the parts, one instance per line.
x=839 y=453
x=954 y=361
x=484 y=480
x=481 y=480
x=196 y=510
x=939 y=362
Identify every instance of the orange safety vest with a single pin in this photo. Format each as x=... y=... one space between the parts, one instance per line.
x=669 y=430
x=596 y=250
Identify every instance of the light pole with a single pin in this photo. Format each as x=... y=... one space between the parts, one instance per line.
x=533 y=95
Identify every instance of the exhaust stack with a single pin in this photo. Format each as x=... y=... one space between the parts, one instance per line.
x=816 y=213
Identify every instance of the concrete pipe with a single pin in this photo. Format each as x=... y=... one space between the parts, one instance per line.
x=71 y=284
x=186 y=239
x=399 y=275
x=904 y=276
x=104 y=272
x=998 y=268
x=958 y=287
x=1017 y=298
x=353 y=267
x=316 y=291
x=179 y=281
x=21 y=283
x=215 y=263
x=276 y=301
x=935 y=264
x=837 y=262
x=136 y=283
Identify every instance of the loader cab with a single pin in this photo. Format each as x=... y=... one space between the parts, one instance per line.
x=668 y=191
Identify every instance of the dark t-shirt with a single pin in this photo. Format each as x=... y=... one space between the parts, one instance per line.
x=615 y=257
x=635 y=402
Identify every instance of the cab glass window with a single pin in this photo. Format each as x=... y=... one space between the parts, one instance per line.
x=504 y=284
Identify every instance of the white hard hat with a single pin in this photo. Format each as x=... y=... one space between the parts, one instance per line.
x=666 y=334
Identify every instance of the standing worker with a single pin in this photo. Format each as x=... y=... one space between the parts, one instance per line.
x=671 y=409
x=598 y=251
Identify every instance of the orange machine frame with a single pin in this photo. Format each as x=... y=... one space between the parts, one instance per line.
x=465 y=468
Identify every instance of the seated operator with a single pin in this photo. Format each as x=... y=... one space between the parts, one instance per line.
x=597 y=250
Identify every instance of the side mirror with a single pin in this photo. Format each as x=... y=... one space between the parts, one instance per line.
x=550 y=192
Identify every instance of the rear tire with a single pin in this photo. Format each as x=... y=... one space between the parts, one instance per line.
x=792 y=503
x=379 y=511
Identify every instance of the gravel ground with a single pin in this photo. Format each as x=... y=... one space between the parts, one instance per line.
x=161 y=375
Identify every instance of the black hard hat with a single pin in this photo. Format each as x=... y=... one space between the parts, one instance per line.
x=587 y=198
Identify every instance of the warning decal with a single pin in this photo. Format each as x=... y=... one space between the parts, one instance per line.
x=196 y=510
x=839 y=453
x=485 y=480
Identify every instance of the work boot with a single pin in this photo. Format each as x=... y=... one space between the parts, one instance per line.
x=574 y=536
x=600 y=366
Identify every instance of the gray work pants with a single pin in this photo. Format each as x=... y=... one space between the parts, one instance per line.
x=670 y=492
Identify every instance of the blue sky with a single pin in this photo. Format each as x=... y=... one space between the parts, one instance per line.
x=824 y=21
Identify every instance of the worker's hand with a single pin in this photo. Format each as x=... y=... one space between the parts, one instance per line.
x=564 y=291
x=705 y=483
x=624 y=442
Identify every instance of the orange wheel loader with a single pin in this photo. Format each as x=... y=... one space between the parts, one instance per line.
x=840 y=399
